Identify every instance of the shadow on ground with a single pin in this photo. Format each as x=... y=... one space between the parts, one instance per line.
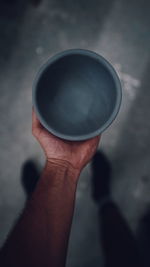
x=144 y=237
x=82 y=18
x=11 y=16
x=30 y=175
x=119 y=245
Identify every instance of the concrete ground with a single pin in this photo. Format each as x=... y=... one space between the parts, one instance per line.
x=31 y=32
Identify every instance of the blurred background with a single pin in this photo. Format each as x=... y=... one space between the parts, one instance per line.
x=31 y=31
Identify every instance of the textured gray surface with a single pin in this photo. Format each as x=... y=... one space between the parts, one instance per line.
x=118 y=30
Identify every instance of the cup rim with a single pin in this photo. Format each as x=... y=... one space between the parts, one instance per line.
x=111 y=70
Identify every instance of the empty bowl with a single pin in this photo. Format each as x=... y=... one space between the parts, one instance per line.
x=76 y=94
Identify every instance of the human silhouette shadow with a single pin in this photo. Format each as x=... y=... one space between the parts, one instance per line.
x=119 y=245
x=29 y=176
x=36 y=3
x=144 y=237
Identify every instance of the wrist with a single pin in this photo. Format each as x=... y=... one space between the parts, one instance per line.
x=61 y=168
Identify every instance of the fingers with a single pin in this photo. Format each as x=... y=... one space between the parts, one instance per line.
x=94 y=140
x=36 y=125
x=98 y=138
x=35 y=121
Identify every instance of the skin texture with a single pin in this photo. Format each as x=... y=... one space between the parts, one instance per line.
x=75 y=154
x=40 y=237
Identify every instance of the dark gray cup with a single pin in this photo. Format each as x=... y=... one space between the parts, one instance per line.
x=76 y=94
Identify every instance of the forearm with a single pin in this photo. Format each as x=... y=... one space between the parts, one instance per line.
x=41 y=236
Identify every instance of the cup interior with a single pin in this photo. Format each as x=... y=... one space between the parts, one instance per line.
x=75 y=95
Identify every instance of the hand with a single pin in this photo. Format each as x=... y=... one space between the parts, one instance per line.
x=74 y=154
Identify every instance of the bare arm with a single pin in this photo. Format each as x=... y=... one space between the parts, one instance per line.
x=40 y=237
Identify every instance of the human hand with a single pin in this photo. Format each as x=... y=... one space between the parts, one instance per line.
x=72 y=154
